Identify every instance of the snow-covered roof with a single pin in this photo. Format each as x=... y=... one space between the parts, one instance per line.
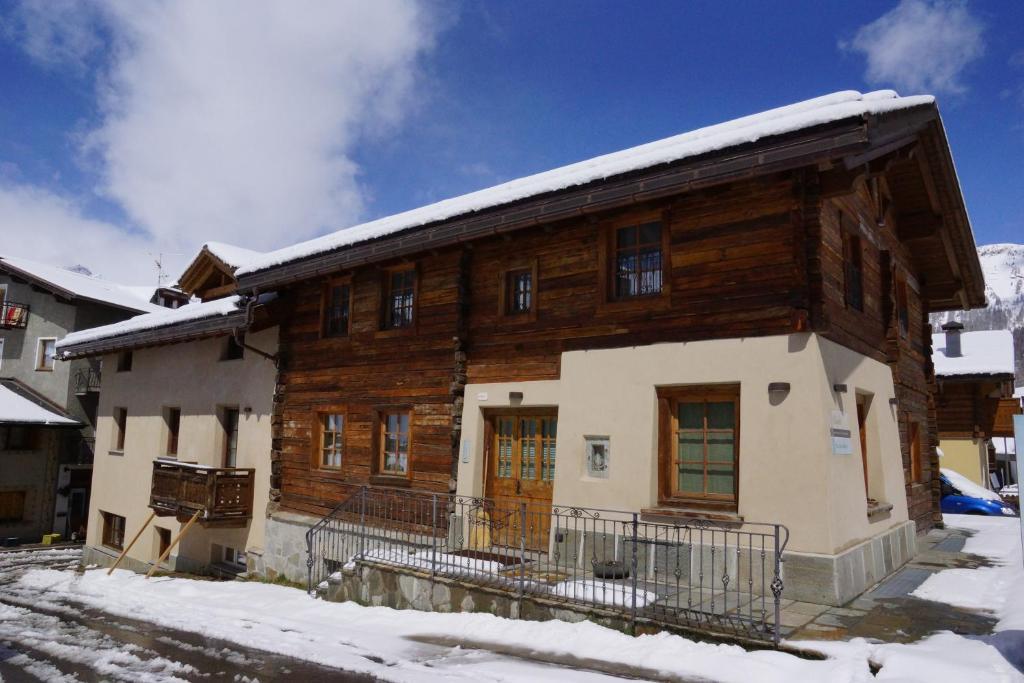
x=788 y=119
x=162 y=317
x=988 y=352
x=77 y=285
x=231 y=255
x=16 y=409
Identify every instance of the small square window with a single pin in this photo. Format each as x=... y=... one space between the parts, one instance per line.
x=234 y=348
x=124 y=361
x=120 y=426
x=46 y=353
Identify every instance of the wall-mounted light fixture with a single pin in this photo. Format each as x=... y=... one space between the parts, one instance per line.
x=893 y=401
x=839 y=388
x=778 y=390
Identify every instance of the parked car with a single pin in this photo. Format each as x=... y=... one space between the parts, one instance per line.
x=961 y=496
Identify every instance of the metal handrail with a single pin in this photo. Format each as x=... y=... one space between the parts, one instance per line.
x=707 y=574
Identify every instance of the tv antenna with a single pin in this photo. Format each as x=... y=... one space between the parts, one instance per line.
x=158 y=259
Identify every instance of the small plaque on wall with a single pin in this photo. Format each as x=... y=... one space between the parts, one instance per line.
x=598 y=455
x=839 y=430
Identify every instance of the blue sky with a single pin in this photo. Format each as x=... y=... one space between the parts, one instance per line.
x=256 y=129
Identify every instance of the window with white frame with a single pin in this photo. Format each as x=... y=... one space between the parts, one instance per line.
x=46 y=353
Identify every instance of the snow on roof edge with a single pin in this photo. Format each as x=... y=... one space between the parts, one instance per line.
x=164 y=318
x=790 y=118
x=984 y=352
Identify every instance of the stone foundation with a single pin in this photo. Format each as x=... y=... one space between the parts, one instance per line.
x=837 y=579
x=284 y=552
x=105 y=557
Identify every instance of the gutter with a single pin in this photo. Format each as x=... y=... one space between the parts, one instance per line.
x=238 y=333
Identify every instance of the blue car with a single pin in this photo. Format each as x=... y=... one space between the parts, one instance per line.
x=961 y=496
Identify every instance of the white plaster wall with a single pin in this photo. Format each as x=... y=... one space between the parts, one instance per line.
x=788 y=473
x=191 y=377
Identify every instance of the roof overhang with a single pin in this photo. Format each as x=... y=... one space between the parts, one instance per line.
x=60 y=291
x=158 y=336
x=859 y=144
x=20 y=406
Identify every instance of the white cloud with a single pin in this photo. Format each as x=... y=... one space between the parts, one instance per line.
x=40 y=225
x=920 y=46
x=235 y=120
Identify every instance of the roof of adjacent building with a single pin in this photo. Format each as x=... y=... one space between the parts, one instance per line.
x=162 y=326
x=988 y=352
x=19 y=406
x=73 y=285
x=232 y=255
x=747 y=129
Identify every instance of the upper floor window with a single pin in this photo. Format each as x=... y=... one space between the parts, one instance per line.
x=519 y=297
x=46 y=353
x=172 y=416
x=229 y=419
x=336 y=307
x=124 y=361
x=637 y=265
x=332 y=440
x=853 y=262
x=120 y=426
x=400 y=299
x=234 y=348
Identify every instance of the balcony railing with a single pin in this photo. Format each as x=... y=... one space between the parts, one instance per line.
x=222 y=495
x=13 y=315
x=87 y=381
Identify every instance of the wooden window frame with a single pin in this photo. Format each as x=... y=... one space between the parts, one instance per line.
x=24 y=502
x=125 y=360
x=109 y=539
x=225 y=412
x=325 y=307
x=385 y=327
x=41 y=354
x=380 y=475
x=668 y=399
x=915 y=450
x=853 y=264
x=505 y=280
x=173 y=433
x=316 y=452
x=606 y=256
x=120 y=419
x=902 y=306
x=163 y=540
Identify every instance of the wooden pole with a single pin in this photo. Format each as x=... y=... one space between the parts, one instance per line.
x=184 y=530
x=138 y=533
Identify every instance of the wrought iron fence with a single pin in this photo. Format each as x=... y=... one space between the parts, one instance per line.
x=704 y=574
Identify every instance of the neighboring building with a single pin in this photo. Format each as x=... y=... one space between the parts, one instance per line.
x=183 y=428
x=47 y=408
x=165 y=297
x=974 y=400
x=730 y=324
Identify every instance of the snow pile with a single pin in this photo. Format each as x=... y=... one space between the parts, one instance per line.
x=603 y=592
x=998 y=589
x=989 y=352
x=79 y=285
x=15 y=408
x=445 y=563
x=968 y=487
x=163 y=317
x=821 y=110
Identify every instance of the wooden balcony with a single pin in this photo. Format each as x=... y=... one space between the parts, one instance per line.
x=222 y=495
x=13 y=315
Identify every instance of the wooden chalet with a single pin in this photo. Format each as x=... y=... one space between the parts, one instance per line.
x=758 y=291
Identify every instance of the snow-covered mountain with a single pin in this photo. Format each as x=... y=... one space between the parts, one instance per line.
x=1003 y=265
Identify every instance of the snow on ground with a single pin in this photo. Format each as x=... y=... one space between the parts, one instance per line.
x=394 y=645
x=999 y=589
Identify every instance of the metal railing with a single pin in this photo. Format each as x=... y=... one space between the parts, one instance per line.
x=87 y=381
x=701 y=574
x=13 y=315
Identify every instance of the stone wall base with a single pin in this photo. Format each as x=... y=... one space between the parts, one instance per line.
x=105 y=557
x=838 y=579
x=284 y=551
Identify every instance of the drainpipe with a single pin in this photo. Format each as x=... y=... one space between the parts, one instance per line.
x=238 y=333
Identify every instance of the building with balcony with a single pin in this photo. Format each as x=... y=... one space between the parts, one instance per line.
x=48 y=408
x=183 y=429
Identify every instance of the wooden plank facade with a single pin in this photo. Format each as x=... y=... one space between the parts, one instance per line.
x=859 y=254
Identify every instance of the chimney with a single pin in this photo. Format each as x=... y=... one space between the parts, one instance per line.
x=953 y=330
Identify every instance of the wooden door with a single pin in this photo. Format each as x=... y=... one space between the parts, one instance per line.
x=862 y=424
x=520 y=477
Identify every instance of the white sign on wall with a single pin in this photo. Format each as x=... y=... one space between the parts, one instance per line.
x=839 y=430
